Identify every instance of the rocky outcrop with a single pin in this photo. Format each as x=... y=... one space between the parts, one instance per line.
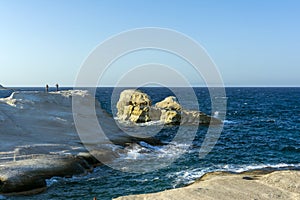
x=135 y=106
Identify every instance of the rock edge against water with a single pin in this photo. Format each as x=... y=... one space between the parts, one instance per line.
x=262 y=185
x=28 y=176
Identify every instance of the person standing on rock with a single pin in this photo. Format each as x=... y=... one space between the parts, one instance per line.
x=47 y=88
x=56 y=87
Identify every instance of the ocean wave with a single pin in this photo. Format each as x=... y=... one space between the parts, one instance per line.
x=142 y=157
x=229 y=122
x=189 y=176
x=143 y=150
x=290 y=149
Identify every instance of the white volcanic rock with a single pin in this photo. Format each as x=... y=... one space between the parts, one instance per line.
x=29 y=118
x=35 y=117
x=38 y=133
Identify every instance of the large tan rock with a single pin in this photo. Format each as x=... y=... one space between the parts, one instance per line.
x=134 y=105
x=170 y=110
x=169 y=103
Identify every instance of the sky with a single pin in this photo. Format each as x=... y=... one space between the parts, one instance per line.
x=253 y=43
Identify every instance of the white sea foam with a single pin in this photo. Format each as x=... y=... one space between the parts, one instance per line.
x=127 y=122
x=189 y=176
x=145 y=144
x=144 y=150
x=144 y=157
x=229 y=122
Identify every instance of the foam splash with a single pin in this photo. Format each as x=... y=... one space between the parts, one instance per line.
x=189 y=176
x=142 y=157
x=229 y=122
x=144 y=150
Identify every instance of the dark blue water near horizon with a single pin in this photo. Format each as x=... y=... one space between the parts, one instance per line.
x=261 y=130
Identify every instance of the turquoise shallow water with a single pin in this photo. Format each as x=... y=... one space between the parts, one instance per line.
x=262 y=130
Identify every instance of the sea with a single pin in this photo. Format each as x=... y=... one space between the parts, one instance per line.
x=261 y=131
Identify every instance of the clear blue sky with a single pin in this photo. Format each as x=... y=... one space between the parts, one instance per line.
x=253 y=43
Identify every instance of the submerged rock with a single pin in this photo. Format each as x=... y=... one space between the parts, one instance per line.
x=135 y=106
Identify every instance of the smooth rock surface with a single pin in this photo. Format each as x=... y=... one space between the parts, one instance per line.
x=278 y=185
x=30 y=174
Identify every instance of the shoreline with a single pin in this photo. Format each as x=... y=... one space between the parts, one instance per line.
x=254 y=184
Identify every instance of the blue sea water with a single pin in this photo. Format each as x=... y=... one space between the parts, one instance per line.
x=262 y=130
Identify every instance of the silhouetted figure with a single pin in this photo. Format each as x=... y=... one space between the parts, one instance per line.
x=56 y=86
x=47 y=88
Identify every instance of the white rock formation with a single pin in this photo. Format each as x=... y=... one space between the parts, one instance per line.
x=39 y=119
x=38 y=138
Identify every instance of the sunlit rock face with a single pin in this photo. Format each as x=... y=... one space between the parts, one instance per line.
x=134 y=105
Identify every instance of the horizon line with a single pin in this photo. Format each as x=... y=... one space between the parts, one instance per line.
x=110 y=86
